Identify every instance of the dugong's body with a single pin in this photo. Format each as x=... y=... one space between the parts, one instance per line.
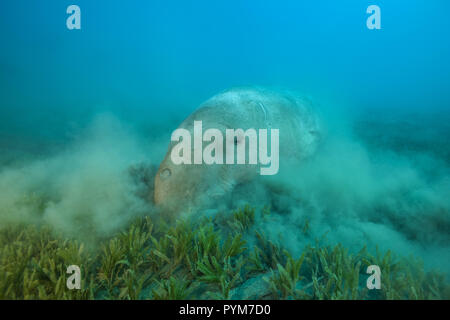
x=192 y=185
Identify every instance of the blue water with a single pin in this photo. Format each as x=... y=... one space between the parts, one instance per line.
x=157 y=57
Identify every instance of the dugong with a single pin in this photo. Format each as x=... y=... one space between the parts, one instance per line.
x=187 y=186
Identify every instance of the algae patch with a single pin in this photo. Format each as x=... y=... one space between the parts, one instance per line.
x=206 y=259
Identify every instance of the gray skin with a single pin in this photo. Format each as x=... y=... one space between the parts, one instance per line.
x=187 y=187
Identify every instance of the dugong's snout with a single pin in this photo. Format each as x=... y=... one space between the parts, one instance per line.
x=162 y=185
x=180 y=187
x=171 y=188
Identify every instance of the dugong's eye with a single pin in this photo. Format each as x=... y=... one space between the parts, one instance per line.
x=165 y=173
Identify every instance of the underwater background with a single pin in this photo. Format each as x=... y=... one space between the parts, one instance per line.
x=86 y=117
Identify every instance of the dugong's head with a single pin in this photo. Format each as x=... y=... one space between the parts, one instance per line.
x=182 y=187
